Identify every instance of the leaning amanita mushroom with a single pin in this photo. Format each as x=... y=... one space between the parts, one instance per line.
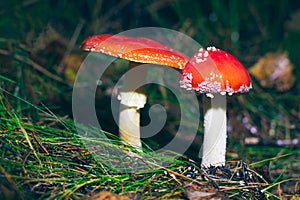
x=136 y=50
x=215 y=73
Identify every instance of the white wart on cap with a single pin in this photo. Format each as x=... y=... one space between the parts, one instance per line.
x=212 y=71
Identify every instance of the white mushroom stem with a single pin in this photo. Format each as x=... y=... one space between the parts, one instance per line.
x=131 y=102
x=215 y=133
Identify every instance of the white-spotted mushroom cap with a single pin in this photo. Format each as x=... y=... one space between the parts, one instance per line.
x=212 y=71
x=141 y=50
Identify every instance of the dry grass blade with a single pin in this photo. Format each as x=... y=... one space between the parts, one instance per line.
x=39 y=68
x=28 y=141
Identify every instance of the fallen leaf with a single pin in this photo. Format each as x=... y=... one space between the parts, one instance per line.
x=202 y=192
x=108 y=196
x=274 y=69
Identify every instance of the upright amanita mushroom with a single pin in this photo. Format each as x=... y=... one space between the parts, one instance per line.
x=136 y=50
x=215 y=73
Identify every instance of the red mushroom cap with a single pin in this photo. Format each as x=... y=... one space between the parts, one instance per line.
x=212 y=70
x=142 y=50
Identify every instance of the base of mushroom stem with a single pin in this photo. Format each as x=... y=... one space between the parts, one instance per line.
x=129 y=125
x=231 y=171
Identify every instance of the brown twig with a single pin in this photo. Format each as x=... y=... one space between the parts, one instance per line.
x=39 y=68
x=174 y=174
x=34 y=65
x=70 y=46
x=38 y=141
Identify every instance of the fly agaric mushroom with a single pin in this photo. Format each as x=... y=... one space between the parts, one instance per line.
x=136 y=50
x=215 y=73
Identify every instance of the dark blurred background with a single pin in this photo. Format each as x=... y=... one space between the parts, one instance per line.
x=40 y=54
